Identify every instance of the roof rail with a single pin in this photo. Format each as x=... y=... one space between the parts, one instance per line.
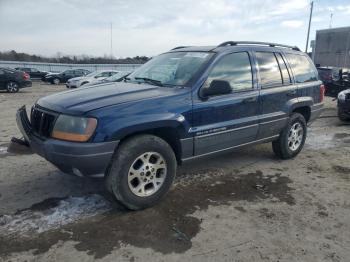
x=233 y=43
x=179 y=47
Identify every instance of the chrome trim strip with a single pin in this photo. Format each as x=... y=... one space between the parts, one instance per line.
x=184 y=139
x=267 y=122
x=226 y=131
x=225 y=149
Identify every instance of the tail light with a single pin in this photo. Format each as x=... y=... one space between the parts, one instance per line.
x=322 y=91
x=26 y=76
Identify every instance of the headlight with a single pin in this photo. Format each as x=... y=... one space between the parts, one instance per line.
x=71 y=128
x=342 y=96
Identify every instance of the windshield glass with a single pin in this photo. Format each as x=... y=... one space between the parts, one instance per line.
x=170 y=69
x=92 y=74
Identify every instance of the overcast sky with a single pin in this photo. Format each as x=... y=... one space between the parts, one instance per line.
x=149 y=27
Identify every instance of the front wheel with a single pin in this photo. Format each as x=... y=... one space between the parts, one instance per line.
x=12 y=87
x=292 y=138
x=142 y=171
x=56 y=81
x=342 y=116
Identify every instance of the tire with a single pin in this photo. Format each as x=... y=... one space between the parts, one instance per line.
x=292 y=138
x=56 y=81
x=12 y=87
x=342 y=116
x=137 y=158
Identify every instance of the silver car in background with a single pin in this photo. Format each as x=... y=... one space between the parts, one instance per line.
x=97 y=75
x=118 y=77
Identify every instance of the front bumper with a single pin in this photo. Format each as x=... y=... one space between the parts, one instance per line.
x=71 y=85
x=82 y=159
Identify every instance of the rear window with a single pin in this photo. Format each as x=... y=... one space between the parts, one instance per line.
x=304 y=71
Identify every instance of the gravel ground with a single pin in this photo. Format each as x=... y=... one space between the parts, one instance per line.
x=244 y=205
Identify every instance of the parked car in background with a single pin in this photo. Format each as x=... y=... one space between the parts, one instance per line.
x=57 y=78
x=328 y=74
x=82 y=80
x=187 y=103
x=344 y=105
x=115 y=78
x=13 y=80
x=335 y=79
x=33 y=72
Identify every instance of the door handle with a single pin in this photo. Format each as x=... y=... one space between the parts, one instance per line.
x=249 y=99
x=292 y=93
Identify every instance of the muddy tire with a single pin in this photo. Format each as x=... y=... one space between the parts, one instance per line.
x=292 y=139
x=141 y=172
x=342 y=116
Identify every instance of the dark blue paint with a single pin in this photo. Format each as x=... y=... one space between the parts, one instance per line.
x=123 y=109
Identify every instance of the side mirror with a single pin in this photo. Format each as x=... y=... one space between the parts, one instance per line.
x=217 y=87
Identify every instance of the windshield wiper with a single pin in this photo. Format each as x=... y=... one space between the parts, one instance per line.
x=150 y=81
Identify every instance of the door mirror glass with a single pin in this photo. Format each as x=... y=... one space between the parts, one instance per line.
x=216 y=87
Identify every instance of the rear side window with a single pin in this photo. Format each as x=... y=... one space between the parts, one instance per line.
x=302 y=68
x=270 y=74
x=284 y=70
x=234 y=68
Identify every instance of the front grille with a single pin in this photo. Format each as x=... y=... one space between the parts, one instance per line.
x=42 y=121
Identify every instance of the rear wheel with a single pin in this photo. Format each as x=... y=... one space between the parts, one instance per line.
x=292 y=139
x=142 y=171
x=12 y=87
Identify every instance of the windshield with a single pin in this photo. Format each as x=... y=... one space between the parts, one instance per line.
x=170 y=69
x=92 y=74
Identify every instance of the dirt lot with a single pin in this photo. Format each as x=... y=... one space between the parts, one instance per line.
x=239 y=206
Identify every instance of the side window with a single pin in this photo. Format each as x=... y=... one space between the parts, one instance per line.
x=78 y=72
x=234 y=68
x=303 y=69
x=269 y=71
x=284 y=70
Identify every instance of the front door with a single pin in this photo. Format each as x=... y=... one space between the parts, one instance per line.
x=225 y=121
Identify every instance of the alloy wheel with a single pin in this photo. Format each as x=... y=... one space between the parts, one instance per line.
x=12 y=87
x=295 y=136
x=147 y=174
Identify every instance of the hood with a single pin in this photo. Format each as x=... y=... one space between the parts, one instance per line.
x=85 y=99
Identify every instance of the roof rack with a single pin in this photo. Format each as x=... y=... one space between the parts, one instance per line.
x=233 y=43
x=179 y=47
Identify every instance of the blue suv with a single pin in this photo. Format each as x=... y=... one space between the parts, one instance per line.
x=187 y=103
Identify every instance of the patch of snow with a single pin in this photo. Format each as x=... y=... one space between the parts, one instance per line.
x=67 y=211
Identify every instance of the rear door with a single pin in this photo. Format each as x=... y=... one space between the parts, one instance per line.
x=225 y=121
x=276 y=90
x=306 y=77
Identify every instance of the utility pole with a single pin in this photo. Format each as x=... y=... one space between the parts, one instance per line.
x=111 y=40
x=308 y=30
x=330 y=21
